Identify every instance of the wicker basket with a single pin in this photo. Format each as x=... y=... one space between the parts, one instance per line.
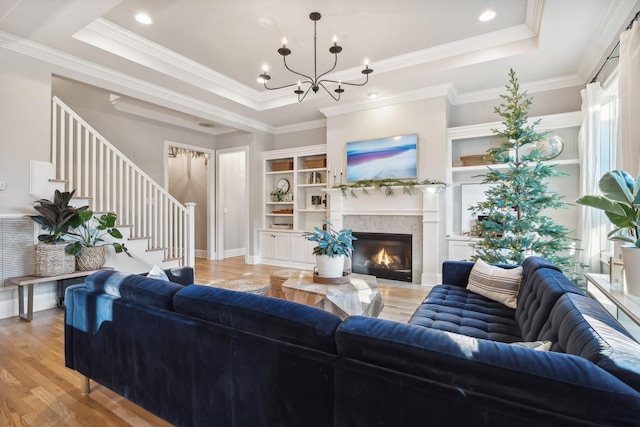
x=90 y=259
x=475 y=160
x=52 y=260
x=315 y=163
x=282 y=165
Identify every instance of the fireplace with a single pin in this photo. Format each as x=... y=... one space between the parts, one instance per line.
x=384 y=255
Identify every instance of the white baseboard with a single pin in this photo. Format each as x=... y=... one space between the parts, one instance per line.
x=45 y=296
x=234 y=252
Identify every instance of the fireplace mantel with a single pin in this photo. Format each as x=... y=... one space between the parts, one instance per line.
x=423 y=202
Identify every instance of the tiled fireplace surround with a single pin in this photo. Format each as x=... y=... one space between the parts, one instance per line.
x=418 y=214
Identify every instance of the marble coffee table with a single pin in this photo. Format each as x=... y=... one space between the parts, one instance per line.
x=359 y=297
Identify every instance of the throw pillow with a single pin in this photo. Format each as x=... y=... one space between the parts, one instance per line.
x=158 y=273
x=496 y=283
x=535 y=345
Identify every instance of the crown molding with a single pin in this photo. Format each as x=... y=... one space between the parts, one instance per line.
x=127 y=106
x=608 y=31
x=555 y=83
x=401 y=98
x=108 y=36
x=298 y=127
x=97 y=75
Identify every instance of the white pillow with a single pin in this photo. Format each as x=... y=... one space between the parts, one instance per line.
x=158 y=273
x=497 y=284
x=535 y=345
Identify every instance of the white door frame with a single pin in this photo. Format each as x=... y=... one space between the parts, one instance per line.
x=219 y=198
x=211 y=189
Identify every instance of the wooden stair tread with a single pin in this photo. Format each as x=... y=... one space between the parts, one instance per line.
x=140 y=238
x=57 y=180
x=155 y=249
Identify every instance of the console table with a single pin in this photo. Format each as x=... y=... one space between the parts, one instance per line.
x=359 y=297
x=624 y=307
x=62 y=281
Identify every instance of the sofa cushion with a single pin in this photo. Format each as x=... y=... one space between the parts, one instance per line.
x=564 y=384
x=579 y=325
x=495 y=283
x=271 y=317
x=134 y=287
x=539 y=292
x=455 y=309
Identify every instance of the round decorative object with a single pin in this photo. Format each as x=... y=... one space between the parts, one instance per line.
x=551 y=147
x=90 y=258
x=283 y=185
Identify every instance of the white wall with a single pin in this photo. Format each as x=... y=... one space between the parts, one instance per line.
x=301 y=138
x=25 y=132
x=427 y=118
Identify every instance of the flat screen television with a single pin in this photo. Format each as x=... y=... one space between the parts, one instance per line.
x=393 y=157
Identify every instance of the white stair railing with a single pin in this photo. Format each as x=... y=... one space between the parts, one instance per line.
x=97 y=170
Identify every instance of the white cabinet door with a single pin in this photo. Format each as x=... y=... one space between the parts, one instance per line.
x=460 y=250
x=273 y=245
x=302 y=249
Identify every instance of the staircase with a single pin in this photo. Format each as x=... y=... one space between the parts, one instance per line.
x=156 y=228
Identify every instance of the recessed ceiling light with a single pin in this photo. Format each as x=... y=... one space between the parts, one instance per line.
x=143 y=18
x=372 y=95
x=487 y=15
x=206 y=125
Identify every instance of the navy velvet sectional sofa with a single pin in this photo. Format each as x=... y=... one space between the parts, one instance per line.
x=202 y=356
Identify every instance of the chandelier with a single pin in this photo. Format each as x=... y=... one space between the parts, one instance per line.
x=316 y=82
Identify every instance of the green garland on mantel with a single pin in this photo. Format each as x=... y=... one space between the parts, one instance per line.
x=388 y=184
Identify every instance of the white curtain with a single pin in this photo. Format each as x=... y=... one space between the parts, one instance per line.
x=588 y=149
x=628 y=153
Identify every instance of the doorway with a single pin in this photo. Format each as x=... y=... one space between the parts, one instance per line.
x=231 y=202
x=189 y=177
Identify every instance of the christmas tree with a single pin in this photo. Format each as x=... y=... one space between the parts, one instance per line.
x=514 y=227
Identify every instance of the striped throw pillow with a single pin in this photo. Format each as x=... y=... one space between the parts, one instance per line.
x=497 y=284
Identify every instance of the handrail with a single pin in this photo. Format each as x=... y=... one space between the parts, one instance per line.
x=99 y=171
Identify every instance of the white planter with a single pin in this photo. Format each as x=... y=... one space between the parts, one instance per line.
x=330 y=266
x=631 y=259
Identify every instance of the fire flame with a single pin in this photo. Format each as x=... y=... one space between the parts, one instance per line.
x=382 y=257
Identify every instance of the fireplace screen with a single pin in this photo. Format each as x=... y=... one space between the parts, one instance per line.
x=384 y=255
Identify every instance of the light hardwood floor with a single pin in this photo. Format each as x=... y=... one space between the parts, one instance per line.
x=37 y=390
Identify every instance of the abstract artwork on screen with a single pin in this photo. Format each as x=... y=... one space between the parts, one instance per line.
x=392 y=157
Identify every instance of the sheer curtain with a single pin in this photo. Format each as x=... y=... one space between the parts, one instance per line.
x=628 y=157
x=588 y=149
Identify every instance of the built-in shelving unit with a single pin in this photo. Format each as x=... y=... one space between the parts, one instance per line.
x=466 y=188
x=304 y=206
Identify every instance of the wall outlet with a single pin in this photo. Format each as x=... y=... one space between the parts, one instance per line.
x=3 y=185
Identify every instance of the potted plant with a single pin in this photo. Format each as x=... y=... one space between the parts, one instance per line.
x=55 y=217
x=620 y=201
x=87 y=234
x=331 y=250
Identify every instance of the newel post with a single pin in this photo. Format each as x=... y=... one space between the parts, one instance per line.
x=190 y=256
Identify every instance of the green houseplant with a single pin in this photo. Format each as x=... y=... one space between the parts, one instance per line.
x=55 y=218
x=87 y=233
x=331 y=249
x=620 y=201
